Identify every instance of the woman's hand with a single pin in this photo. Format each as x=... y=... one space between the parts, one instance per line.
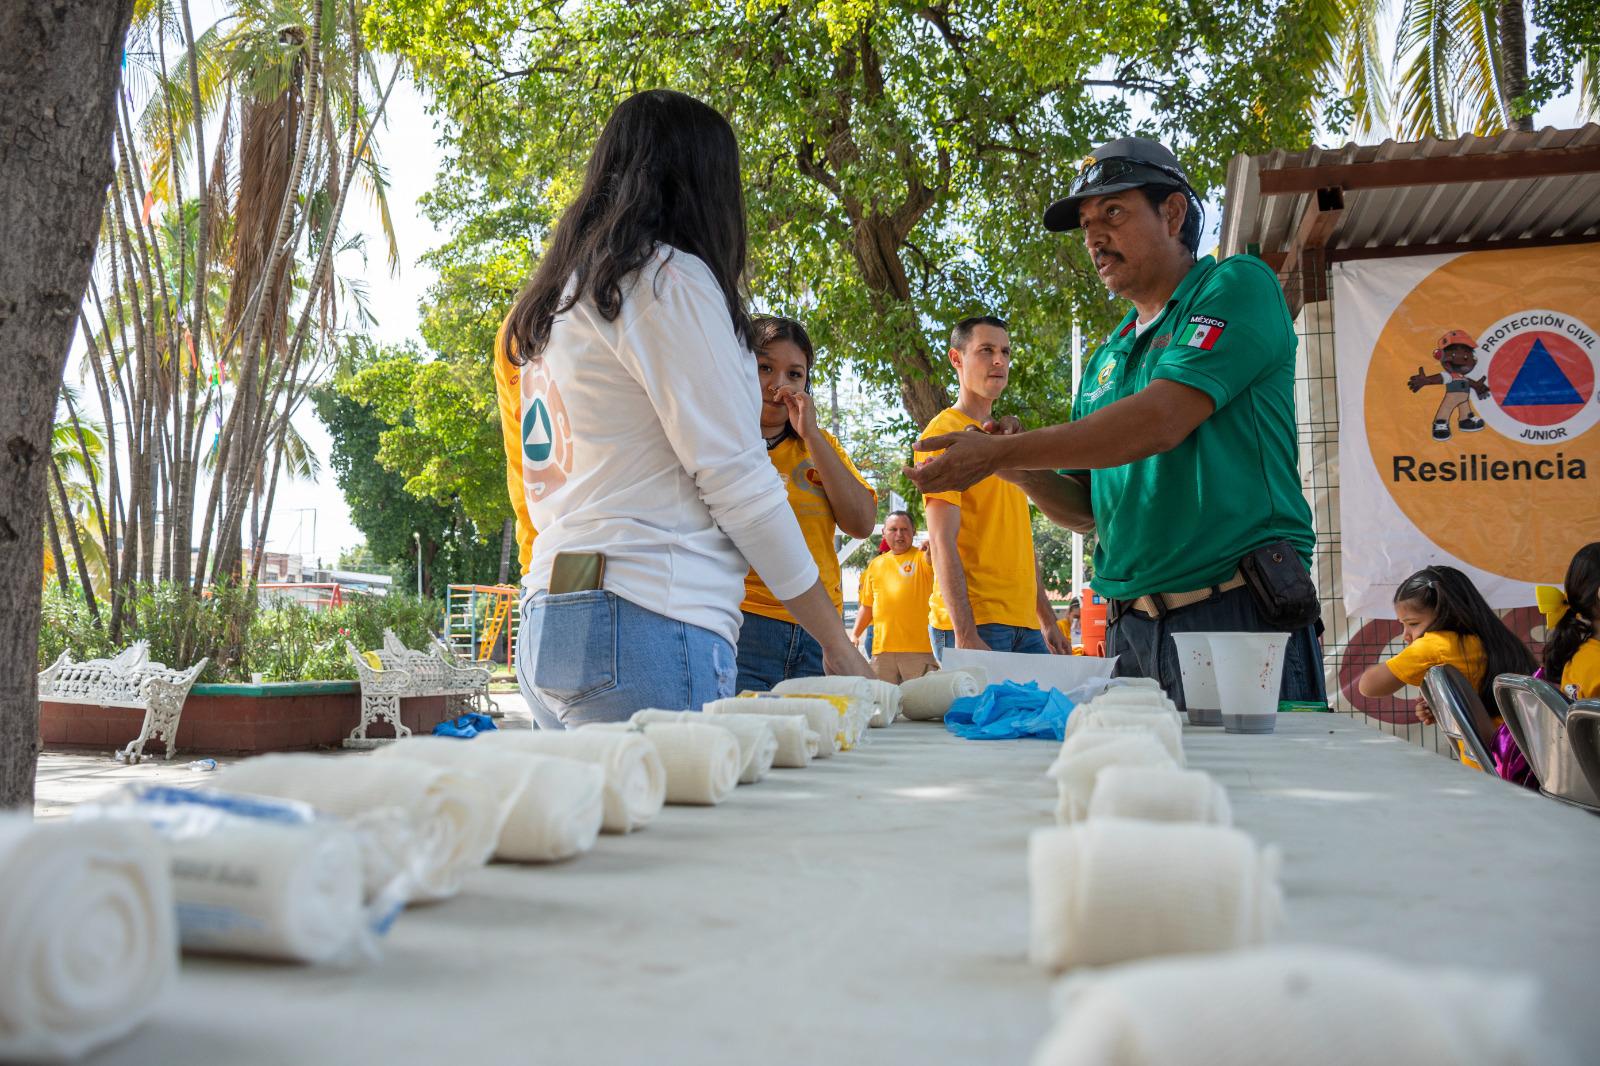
x=802 y=411
x=1424 y=713
x=847 y=661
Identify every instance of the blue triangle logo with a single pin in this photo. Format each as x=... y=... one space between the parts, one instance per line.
x=1540 y=382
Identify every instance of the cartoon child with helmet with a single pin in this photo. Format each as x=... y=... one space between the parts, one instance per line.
x=1456 y=361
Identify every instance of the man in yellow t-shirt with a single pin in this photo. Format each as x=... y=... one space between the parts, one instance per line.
x=894 y=601
x=988 y=594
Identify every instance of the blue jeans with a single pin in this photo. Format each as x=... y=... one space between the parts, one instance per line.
x=999 y=637
x=1144 y=649
x=771 y=651
x=595 y=657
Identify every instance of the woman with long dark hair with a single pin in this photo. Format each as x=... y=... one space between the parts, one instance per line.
x=1572 y=647
x=637 y=452
x=826 y=492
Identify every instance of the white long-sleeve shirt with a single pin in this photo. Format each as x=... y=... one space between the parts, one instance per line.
x=642 y=440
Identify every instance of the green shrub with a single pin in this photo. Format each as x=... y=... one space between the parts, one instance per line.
x=283 y=641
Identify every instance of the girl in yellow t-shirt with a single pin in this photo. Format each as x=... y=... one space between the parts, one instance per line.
x=1445 y=619
x=1572 y=649
x=825 y=491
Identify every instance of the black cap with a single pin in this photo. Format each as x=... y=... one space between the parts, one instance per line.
x=1117 y=166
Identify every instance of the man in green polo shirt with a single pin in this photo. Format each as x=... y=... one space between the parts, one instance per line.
x=1181 y=454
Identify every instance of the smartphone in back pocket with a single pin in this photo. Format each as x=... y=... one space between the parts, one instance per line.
x=577 y=572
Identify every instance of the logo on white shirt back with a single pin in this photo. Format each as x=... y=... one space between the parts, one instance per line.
x=546 y=433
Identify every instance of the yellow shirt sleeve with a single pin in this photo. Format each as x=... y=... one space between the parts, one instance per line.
x=508 y=394
x=1580 y=679
x=864 y=590
x=947 y=421
x=1423 y=654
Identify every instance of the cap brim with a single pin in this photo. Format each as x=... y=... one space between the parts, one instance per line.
x=1062 y=215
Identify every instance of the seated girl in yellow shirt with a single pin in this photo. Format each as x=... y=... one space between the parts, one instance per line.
x=1445 y=620
x=1572 y=648
x=826 y=493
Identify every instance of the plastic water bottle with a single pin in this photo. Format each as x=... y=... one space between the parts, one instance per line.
x=203 y=764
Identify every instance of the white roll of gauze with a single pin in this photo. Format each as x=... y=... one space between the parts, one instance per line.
x=796 y=740
x=884 y=697
x=979 y=674
x=1140 y=698
x=1161 y=725
x=1114 y=889
x=1311 y=1006
x=87 y=935
x=926 y=698
x=453 y=814
x=553 y=806
x=856 y=706
x=1086 y=753
x=636 y=782
x=822 y=717
x=701 y=759
x=758 y=744
x=1159 y=794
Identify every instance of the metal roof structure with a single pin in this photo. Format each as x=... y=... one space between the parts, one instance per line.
x=1414 y=197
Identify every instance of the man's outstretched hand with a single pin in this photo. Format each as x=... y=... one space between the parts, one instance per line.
x=965 y=459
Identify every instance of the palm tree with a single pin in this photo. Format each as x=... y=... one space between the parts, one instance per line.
x=1459 y=66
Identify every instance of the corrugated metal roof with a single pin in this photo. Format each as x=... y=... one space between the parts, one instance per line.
x=1566 y=206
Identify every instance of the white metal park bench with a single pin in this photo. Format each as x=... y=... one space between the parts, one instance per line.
x=404 y=673
x=465 y=686
x=127 y=679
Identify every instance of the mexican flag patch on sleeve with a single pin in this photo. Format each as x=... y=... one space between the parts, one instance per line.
x=1201 y=332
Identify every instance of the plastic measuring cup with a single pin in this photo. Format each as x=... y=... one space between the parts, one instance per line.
x=1249 y=672
x=1199 y=678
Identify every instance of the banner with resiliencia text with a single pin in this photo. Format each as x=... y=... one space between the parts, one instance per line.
x=1469 y=418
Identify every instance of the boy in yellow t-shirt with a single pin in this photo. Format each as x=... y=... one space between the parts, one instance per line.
x=894 y=600
x=825 y=490
x=988 y=595
x=1445 y=620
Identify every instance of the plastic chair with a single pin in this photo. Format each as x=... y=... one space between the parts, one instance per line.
x=1583 y=734
x=1460 y=714
x=1536 y=713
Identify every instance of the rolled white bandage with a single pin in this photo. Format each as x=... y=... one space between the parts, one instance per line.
x=701 y=759
x=856 y=707
x=1112 y=890
x=926 y=698
x=1135 y=683
x=884 y=697
x=1311 y=1006
x=87 y=936
x=796 y=740
x=821 y=717
x=1159 y=724
x=758 y=743
x=636 y=782
x=453 y=815
x=552 y=806
x=1086 y=753
x=1135 y=698
x=1159 y=794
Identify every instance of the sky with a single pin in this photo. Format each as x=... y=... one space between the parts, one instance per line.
x=311 y=519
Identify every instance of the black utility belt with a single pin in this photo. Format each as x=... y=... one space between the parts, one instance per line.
x=1278 y=583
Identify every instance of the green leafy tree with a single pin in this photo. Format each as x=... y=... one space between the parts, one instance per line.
x=897 y=155
x=383 y=504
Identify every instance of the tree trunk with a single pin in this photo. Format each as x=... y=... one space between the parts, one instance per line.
x=877 y=252
x=508 y=548
x=1514 y=58
x=58 y=76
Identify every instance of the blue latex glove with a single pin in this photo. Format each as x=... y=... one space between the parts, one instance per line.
x=465 y=727
x=1008 y=711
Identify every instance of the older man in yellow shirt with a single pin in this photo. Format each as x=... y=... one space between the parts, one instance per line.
x=894 y=601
